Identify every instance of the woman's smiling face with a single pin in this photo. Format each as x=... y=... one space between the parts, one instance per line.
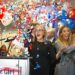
x=65 y=34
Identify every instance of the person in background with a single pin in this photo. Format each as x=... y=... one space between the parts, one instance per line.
x=51 y=38
x=50 y=35
x=3 y=51
x=41 y=53
x=66 y=65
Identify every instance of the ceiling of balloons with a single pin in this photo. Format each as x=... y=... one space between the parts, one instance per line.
x=19 y=14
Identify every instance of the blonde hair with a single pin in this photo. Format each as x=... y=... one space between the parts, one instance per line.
x=39 y=25
x=60 y=31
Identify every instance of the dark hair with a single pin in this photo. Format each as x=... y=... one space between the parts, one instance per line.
x=73 y=31
x=3 y=52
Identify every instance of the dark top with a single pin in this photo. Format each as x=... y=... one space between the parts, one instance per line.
x=42 y=58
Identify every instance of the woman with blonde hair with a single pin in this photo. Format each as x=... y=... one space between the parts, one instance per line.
x=41 y=52
x=64 y=47
x=63 y=41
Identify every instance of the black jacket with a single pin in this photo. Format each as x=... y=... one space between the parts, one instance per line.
x=42 y=58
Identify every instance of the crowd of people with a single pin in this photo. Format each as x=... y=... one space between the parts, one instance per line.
x=49 y=55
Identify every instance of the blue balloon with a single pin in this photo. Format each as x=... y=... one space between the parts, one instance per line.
x=64 y=21
x=62 y=14
x=70 y=23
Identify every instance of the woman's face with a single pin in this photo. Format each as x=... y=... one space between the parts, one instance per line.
x=40 y=33
x=65 y=34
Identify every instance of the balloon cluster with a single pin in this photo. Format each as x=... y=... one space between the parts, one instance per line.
x=32 y=12
x=23 y=13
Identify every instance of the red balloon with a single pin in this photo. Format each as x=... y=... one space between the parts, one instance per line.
x=2 y=10
x=71 y=13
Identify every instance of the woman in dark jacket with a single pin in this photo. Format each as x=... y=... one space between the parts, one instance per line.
x=42 y=54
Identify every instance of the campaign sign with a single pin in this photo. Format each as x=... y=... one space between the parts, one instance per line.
x=14 y=67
